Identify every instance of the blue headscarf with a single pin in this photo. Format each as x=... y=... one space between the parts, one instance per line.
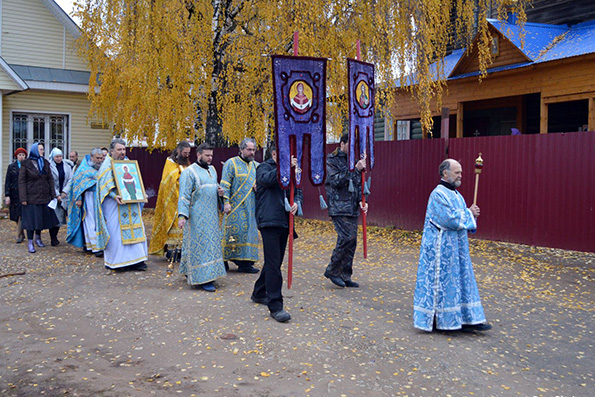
x=34 y=155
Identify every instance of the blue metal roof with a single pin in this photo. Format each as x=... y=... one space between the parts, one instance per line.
x=450 y=61
x=537 y=36
x=578 y=40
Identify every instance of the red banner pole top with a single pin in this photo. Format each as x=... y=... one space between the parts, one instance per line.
x=358 y=54
x=296 y=40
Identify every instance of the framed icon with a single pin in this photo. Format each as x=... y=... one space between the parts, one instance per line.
x=495 y=46
x=129 y=181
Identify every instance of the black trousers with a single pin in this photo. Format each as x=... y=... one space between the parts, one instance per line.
x=54 y=233
x=30 y=234
x=270 y=282
x=341 y=264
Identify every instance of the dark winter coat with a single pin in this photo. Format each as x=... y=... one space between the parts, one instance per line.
x=11 y=189
x=33 y=187
x=270 y=198
x=342 y=201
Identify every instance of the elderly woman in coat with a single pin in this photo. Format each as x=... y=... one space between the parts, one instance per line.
x=11 y=191
x=62 y=170
x=36 y=190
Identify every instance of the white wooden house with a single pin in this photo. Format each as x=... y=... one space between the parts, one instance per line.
x=43 y=82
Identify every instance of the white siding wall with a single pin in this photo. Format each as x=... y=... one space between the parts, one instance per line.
x=81 y=136
x=32 y=36
x=7 y=83
x=71 y=58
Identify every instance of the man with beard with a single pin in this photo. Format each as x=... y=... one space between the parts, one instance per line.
x=120 y=227
x=238 y=180
x=165 y=230
x=202 y=260
x=446 y=295
x=80 y=230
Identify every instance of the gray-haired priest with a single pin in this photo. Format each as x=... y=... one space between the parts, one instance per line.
x=120 y=228
x=446 y=295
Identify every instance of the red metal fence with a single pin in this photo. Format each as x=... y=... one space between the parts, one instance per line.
x=534 y=189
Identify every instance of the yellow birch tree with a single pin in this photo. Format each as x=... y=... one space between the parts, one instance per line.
x=167 y=70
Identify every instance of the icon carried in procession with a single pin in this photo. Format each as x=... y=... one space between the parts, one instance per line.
x=299 y=86
x=129 y=181
x=361 y=96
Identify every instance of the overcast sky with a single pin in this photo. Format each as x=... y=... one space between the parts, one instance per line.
x=66 y=5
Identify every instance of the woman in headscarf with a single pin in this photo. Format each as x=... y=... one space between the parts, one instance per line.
x=36 y=190
x=62 y=170
x=11 y=191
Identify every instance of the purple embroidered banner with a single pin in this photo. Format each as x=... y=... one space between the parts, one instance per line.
x=361 y=111
x=299 y=85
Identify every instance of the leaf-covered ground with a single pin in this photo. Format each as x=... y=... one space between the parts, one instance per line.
x=70 y=327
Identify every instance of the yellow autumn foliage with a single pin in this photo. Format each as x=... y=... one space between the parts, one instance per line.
x=175 y=69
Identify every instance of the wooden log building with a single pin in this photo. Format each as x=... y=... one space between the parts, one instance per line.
x=541 y=80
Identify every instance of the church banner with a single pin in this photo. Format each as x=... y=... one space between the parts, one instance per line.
x=299 y=85
x=361 y=111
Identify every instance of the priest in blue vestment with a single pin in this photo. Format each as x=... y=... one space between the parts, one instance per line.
x=80 y=230
x=202 y=257
x=446 y=295
x=241 y=233
x=120 y=228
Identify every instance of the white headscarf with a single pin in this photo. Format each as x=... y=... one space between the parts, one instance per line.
x=55 y=152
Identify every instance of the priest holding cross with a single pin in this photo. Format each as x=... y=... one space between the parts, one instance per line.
x=446 y=295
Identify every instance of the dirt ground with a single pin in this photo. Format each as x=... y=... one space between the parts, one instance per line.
x=68 y=326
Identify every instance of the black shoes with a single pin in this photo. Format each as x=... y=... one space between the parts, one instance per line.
x=335 y=280
x=260 y=301
x=141 y=267
x=248 y=269
x=281 y=316
x=99 y=254
x=476 y=327
x=54 y=242
x=351 y=284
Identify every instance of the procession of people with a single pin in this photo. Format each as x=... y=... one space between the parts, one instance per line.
x=205 y=223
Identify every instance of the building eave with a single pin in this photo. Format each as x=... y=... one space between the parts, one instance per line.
x=62 y=17
x=13 y=75
x=58 y=87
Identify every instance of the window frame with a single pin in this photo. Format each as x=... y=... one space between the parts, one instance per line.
x=47 y=116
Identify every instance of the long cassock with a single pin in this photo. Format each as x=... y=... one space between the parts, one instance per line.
x=446 y=288
x=80 y=229
x=120 y=228
x=238 y=181
x=202 y=259
x=165 y=221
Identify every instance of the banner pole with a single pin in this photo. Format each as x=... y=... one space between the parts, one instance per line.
x=363 y=175
x=296 y=39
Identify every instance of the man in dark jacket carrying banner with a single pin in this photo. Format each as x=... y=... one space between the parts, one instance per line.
x=344 y=193
x=272 y=219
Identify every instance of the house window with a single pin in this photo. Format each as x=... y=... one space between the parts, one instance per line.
x=49 y=129
x=568 y=116
x=403 y=129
